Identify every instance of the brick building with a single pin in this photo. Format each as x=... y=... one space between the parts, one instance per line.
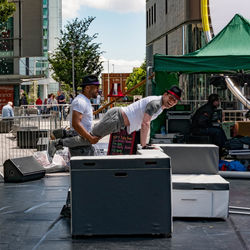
x=110 y=79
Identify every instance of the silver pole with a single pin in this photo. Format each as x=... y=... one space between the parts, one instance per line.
x=73 y=69
x=108 y=82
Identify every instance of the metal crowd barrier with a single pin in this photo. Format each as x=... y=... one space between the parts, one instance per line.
x=62 y=110
x=21 y=136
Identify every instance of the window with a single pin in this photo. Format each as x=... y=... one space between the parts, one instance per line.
x=155 y=13
x=166 y=44
x=45 y=13
x=45 y=33
x=147 y=18
x=45 y=22
x=45 y=42
x=152 y=15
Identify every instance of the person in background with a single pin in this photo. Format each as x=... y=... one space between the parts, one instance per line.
x=39 y=104
x=205 y=122
x=53 y=102
x=7 y=110
x=61 y=101
x=44 y=110
x=136 y=116
x=24 y=103
x=71 y=98
x=97 y=104
x=49 y=103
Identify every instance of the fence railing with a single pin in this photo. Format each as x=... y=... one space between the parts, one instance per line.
x=61 y=110
x=235 y=115
x=23 y=135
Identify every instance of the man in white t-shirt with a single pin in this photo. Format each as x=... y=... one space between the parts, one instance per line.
x=81 y=121
x=134 y=117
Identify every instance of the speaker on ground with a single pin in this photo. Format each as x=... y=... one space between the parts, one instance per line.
x=22 y=169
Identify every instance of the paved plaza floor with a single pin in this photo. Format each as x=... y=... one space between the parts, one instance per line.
x=30 y=219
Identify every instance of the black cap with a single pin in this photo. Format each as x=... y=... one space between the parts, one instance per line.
x=90 y=80
x=174 y=91
x=213 y=97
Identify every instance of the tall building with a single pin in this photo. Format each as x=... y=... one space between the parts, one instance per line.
x=52 y=24
x=174 y=27
x=20 y=36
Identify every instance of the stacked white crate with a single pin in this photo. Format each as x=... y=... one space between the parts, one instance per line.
x=197 y=188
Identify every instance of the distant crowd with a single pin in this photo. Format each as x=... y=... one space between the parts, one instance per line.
x=51 y=103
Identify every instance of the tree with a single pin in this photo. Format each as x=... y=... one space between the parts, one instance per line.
x=86 y=53
x=6 y=10
x=138 y=75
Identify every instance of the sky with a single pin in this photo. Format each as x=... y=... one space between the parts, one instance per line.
x=120 y=26
x=222 y=11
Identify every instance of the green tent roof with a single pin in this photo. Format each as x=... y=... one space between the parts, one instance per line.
x=229 y=51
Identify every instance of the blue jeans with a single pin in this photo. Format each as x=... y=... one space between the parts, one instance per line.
x=217 y=133
x=111 y=122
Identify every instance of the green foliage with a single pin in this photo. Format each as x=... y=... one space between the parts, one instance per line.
x=86 y=53
x=6 y=10
x=138 y=75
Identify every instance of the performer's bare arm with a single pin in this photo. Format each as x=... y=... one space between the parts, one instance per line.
x=76 y=124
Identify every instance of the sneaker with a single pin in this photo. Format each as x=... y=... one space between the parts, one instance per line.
x=57 y=134
x=53 y=147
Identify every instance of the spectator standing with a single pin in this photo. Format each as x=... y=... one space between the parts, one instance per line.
x=71 y=98
x=7 y=110
x=53 y=102
x=24 y=103
x=97 y=105
x=39 y=104
x=48 y=104
x=61 y=101
x=45 y=106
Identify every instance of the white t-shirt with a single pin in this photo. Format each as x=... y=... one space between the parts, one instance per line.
x=98 y=99
x=135 y=111
x=82 y=105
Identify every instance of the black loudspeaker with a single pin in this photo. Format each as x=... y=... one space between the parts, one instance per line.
x=22 y=169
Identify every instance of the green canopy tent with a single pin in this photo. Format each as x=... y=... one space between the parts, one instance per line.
x=227 y=52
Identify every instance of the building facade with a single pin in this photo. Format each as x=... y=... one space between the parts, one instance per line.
x=174 y=27
x=20 y=36
x=52 y=25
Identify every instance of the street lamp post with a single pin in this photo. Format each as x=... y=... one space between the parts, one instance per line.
x=108 y=82
x=35 y=82
x=73 y=68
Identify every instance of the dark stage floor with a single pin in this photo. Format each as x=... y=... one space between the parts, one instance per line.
x=29 y=219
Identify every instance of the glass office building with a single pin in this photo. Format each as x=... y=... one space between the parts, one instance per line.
x=6 y=48
x=52 y=24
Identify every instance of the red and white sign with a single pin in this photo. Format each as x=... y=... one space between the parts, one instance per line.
x=6 y=94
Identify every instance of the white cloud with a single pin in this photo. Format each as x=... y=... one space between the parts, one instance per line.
x=120 y=65
x=71 y=7
x=222 y=11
